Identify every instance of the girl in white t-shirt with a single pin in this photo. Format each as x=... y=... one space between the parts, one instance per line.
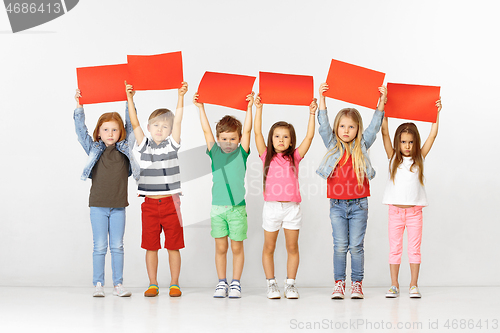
x=281 y=194
x=405 y=195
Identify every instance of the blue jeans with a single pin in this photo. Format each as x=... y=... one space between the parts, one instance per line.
x=108 y=221
x=349 y=219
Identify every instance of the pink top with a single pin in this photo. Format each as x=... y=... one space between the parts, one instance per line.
x=282 y=183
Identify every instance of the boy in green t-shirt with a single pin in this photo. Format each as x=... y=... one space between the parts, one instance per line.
x=228 y=214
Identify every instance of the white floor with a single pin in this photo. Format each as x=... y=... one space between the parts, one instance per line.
x=464 y=309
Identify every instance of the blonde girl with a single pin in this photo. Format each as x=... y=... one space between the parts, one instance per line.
x=347 y=169
x=109 y=165
x=405 y=195
x=281 y=194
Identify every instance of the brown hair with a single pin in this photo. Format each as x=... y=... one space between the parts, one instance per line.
x=416 y=154
x=110 y=116
x=288 y=153
x=228 y=124
x=161 y=115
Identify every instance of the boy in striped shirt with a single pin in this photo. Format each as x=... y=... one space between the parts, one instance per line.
x=160 y=185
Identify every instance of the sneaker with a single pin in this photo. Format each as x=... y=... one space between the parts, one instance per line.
x=120 y=291
x=357 y=290
x=272 y=289
x=174 y=291
x=339 y=290
x=291 y=291
x=393 y=292
x=235 y=290
x=99 y=290
x=221 y=290
x=152 y=291
x=414 y=292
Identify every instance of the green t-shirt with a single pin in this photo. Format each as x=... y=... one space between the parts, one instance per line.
x=228 y=176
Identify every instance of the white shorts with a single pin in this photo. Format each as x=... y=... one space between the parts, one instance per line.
x=277 y=214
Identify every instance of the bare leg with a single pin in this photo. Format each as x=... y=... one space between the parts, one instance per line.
x=174 y=260
x=268 y=252
x=152 y=266
x=414 y=269
x=221 y=246
x=292 y=248
x=238 y=258
x=394 y=268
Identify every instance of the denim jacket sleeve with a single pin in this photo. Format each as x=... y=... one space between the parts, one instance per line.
x=128 y=127
x=81 y=130
x=370 y=133
x=325 y=130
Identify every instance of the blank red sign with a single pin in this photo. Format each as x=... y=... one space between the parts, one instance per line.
x=354 y=84
x=156 y=72
x=225 y=89
x=102 y=84
x=412 y=102
x=286 y=89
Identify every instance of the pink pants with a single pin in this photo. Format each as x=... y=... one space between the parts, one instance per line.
x=399 y=218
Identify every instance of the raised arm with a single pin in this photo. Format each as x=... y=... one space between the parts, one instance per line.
x=205 y=125
x=257 y=128
x=370 y=133
x=306 y=143
x=81 y=129
x=132 y=112
x=432 y=135
x=247 y=126
x=176 y=127
x=325 y=130
x=389 y=150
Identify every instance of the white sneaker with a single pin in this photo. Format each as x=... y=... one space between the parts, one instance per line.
x=120 y=291
x=290 y=289
x=339 y=290
x=235 y=290
x=272 y=289
x=221 y=290
x=414 y=292
x=99 y=290
x=393 y=292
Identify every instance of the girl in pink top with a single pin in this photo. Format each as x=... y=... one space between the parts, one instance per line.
x=281 y=194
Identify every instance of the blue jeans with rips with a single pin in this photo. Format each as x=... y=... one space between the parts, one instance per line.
x=108 y=221
x=349 y=220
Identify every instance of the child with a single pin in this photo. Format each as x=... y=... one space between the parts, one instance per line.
x=405 y=195
x=228 y=214
x=109 y=165
x=160 y=184
x=347 y=169
x=281 y=195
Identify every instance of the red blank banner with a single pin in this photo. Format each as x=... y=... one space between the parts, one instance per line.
x=286 y=89
x=412 y=102
x=354 y=84
x=102 y=84
x=225 y=89
x=156 y=72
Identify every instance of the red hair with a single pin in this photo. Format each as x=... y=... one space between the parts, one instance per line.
x=110 y=116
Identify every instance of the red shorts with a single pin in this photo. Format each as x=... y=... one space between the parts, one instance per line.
x=158 y=214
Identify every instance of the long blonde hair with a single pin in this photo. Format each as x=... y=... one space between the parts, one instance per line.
x=416 y=154
x=352 y=148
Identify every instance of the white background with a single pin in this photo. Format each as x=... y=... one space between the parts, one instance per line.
x=45 y=234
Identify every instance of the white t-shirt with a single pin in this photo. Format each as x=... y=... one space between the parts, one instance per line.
x=406 y=188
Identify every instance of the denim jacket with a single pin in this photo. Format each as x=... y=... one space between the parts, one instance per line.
x=95 y=149
x=369 y=136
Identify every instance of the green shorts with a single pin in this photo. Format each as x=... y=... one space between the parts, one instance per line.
x=229 y=221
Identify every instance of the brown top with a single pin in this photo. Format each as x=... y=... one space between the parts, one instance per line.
x=110 y=180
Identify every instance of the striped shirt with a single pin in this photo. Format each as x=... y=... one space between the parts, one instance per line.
x=159 y=164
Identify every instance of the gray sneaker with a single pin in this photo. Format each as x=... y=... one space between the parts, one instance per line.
x=291 y=291
x=272 y=289
x=99 y=290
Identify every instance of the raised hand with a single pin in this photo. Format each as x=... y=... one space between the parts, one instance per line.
x=183 y=90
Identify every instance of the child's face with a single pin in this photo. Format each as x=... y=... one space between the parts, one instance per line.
x=160 y=130
x=347 y=130
x=406 y=144
x=109 y=133
x=281 y=139
x=228 y=141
